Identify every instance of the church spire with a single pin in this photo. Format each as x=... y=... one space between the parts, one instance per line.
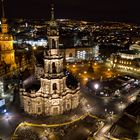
x=4 y=25
x=52 y=10
x=3 y=13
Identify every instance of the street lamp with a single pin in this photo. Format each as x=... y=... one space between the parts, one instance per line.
x=85 y=72
x=108 y=69
x=73 y=66
x=105 y=112
x=34 y=48
x=121 y=105
x=86 y=79
x=79 y=74
x=4 y=111
x=96 y=86
x=88 y=108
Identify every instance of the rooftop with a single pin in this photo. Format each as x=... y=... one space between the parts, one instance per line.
x=129 y=52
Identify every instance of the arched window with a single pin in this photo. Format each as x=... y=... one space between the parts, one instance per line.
x=54 y=86
x=68 y=106
x=70 y=54
x=53 y=44
x=53 y=68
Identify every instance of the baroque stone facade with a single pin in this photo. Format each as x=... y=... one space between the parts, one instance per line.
x=53 y=97
x=7 y=53
x=126 y=60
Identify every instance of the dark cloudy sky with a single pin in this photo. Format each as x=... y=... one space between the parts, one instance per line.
x=93 y=10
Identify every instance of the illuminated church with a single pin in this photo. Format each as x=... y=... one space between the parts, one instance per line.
x=7 y=53
x=53 y=96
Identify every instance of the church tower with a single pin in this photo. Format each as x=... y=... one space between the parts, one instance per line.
x=7 y=53
x=53 y=59
x=53 y=97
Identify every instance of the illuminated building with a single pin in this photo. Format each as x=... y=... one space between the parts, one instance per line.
x=1 y=89
x=95 y=51
x=78 y=54
x=7 y=53
x=127 y=60
x=53 y=97
x=135 y=46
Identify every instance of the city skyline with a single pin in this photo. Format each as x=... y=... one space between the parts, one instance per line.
x=69 y=79
x=100 y=10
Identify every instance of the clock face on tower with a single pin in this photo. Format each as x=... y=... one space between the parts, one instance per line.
x=53 y=32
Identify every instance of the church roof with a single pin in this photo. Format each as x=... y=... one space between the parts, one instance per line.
x=135 y=46
x=34 y=86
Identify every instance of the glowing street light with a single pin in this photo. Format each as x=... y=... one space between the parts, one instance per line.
x=96 y=86
x=108 y=69
x=85 y=72
x=86 y=79
x=73 y=66
x=4 y=111
x=34 y=48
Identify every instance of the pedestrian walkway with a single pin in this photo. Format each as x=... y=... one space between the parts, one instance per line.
x=35 y=125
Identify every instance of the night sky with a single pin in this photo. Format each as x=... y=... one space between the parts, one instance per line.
x=92 y=10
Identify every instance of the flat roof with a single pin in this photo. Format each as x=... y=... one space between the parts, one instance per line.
x=112 y=84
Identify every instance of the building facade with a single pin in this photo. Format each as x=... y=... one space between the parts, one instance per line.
x=127 y=60
x=7 y=53
x=78 y=54
x=53 y=97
